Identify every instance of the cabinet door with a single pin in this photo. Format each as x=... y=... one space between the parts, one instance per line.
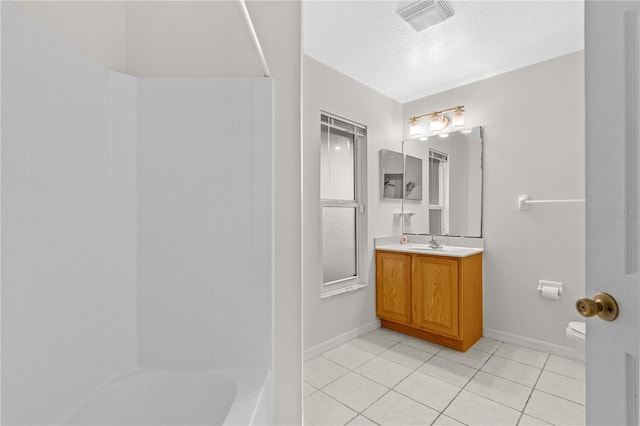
x=436 y=294
x=393 y=286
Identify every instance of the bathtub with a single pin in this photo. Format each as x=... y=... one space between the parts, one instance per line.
x=178 y=397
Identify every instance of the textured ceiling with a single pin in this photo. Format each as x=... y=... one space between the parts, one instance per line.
x=369 y=42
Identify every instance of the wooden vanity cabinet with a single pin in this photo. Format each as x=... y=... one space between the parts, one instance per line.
x=393 y=286
x=436 y=298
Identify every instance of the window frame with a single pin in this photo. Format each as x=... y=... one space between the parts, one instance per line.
x=359 y=135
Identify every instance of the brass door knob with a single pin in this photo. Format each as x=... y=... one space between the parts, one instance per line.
x=600 y=304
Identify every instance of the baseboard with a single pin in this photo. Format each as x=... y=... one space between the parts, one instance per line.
x=530 y=343
x=334 y=342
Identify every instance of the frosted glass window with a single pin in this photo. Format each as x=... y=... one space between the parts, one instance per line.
x=342 y=156
x=337 y=159
x=338 y=243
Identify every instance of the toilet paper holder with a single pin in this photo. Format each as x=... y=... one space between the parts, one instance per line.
x=550 y=289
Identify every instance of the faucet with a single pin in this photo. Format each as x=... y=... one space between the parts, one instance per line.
x=434 y=244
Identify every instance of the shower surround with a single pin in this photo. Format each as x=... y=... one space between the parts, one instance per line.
x=204 y=222
x=136 y=222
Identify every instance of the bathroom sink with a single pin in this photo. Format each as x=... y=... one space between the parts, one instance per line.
x=426 y=247
x=449 y=251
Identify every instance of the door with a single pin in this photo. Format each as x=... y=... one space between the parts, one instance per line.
x=393 y=286
x=613 y=218
x=436 y=294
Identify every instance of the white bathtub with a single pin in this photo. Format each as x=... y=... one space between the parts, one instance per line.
x=178 y=397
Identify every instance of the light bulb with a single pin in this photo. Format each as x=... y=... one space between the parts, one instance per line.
x=458 y=118
x=436 y=124
x=414 y=128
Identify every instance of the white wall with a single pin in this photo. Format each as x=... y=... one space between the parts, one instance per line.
x=283 y=50
x=204 y=162
x=533 y=120
x=327 y=90
x=68 y=222
x=96 y=27
x=188 y=38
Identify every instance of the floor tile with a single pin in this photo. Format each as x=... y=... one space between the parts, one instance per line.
x=348 y=356
x=406 y=355
x=355 y=391
x=428 y=390
x=423 y=345
x=389 y=334
x=373 y=343
x=531 y=421
x=362 y=421
x=512 y=370
x=473 y=409
x=566 y=367
x=555 y=410
x=396 y=409
x=562 y=386
x=319 y=409
x=448 y=371
x=486 y=345
x=471 y=358
x=497 y=389
x=307 y=390
x=423 y=384
x=523 y=355
x=446 y=421
x=383 y=371
x=319 y=372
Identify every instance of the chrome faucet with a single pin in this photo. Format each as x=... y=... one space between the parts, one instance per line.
x=434 y=244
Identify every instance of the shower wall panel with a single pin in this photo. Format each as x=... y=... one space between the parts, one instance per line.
x=205 y=220
x=68 y=206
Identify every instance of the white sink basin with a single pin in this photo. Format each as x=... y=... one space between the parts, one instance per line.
x=426 y=247
x=450 y=251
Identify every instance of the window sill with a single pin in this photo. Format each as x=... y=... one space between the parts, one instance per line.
x=348 y=289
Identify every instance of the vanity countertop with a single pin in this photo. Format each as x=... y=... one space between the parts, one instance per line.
x=448 y=251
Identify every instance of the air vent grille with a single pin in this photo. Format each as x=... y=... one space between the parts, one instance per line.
x=425 y=13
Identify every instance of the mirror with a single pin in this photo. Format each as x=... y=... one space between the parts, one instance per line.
x=452 y=171
x=391 y=171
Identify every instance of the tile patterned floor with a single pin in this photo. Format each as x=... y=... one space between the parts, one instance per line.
x=387 y=378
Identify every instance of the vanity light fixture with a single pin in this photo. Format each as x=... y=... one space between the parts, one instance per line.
x=438 y=122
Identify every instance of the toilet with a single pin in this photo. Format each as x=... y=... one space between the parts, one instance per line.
x=576 y=333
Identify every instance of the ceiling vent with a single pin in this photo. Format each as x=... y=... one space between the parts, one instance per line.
x=425 y=13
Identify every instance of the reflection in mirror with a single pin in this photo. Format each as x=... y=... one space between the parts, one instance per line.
x=452 y=170
x=413 y=178
x=391 y=171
